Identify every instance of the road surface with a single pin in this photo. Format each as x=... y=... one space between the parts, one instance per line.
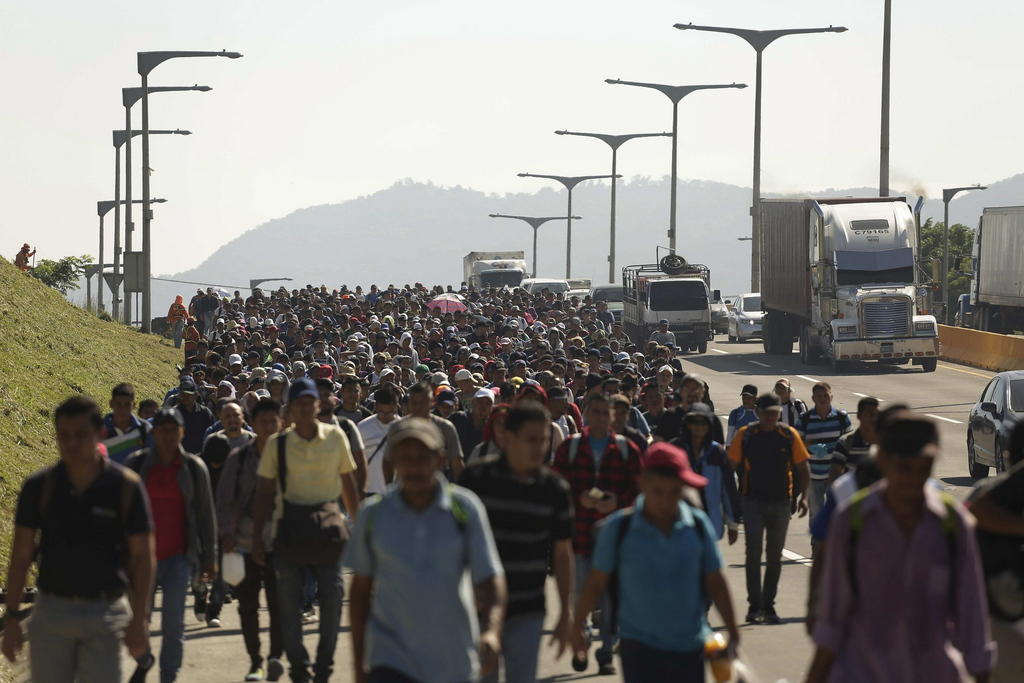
x=775 y=652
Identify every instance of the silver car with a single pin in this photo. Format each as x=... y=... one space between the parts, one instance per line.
x=745 y=318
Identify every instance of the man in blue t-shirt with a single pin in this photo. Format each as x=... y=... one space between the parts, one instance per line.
x=745 y=414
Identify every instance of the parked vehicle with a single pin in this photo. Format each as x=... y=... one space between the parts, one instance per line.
x=964 y=316
x=745 y=318
x=719 y=317
x=610 y=294
x=840 y=275
x=672 y=290
x=481 y=269
x=534 y=285
x=993 y=417
x=997 y=289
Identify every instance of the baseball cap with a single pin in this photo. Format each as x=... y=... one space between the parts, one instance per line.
x=165 y=414
x=663 y=321
x=748 y=390
x=665 y=456
x=769 y=402
x=187 y=385
x=416 y=428
x=446 y=396
x=300 y=388
x=782 y=381
x=234 y=359
x=484 y=393
x=463 y=375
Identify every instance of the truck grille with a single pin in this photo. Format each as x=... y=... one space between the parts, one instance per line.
x=887 y=318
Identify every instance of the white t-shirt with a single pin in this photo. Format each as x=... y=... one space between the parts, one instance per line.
x=373 y=431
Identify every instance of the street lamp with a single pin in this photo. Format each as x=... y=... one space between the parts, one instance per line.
x=613 y=141
x=883 y=151
x=947 y=197
x=535 y=222
x=129 y=96
x=120 y=137
x=253 y=284
x=569 y=182
x=674 y=93
x=147 y=61
x=102 y=209
x=759 y=40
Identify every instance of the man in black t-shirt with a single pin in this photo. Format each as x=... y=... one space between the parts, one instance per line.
x=672 y=423
x=95 y=550
x=530 y=513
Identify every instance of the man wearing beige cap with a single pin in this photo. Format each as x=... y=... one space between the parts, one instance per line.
x=413 y=616
x=792 y=408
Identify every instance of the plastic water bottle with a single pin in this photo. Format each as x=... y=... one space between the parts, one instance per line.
x=716 y=651
x=233 y=569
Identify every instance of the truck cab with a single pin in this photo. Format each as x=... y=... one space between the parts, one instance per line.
x=681 y=296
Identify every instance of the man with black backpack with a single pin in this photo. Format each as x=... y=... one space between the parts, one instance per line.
x=179 y=491
x=311 y=462
x=660 y=562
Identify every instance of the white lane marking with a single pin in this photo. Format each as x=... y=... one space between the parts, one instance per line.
x=809 y=379
x=719 y=351
x=880 y=400
x=763 y=365
x=799 y=559
x=944 y=419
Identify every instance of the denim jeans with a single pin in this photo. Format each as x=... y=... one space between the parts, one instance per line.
x=76 y=639
x=290 y=598
x=815 y=498
x=520 y=646
x=764 y=519
x=173 y=575
x=178 y=330
x=604 y=624
x=644 y=664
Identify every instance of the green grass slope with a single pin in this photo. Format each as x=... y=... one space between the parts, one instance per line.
x=50 y=349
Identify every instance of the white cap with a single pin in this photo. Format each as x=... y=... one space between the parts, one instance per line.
x=234 y=359
x=463 y=374
x=484 y=393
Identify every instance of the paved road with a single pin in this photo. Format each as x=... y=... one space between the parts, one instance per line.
x=775 y=652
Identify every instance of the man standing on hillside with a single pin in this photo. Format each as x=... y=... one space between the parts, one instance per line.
x=21 y=260
x=95 y=548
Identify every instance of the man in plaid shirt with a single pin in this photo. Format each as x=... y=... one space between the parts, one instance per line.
x=602 y=469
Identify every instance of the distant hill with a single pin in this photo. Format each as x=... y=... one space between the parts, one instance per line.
x=50 y=349
x=415 y=231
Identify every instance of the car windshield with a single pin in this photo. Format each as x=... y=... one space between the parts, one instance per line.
x=678 y=295
x=500 y=278
x=608 y=294
x=553 y=287
x=1017 y=395
x=751 y=304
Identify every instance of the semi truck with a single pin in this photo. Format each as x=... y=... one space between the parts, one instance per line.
x=671 y=290
x=840 y=276
x=997 y=288
x=481 y=269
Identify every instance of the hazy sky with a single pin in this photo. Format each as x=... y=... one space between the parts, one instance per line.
x=336 y=99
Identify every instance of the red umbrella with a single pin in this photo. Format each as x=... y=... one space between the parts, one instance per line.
x=447 y=303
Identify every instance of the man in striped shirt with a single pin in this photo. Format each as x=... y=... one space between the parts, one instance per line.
x=123 y=432
x=821 y=427
x=530 y=512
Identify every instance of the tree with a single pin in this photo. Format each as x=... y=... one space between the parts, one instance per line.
x=62 y=275
x=961 y=245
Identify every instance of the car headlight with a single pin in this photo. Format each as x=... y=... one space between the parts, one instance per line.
x=847 y=330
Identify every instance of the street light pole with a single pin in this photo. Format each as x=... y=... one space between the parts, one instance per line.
x=129 y=96
x=674 y=93
x=570 y=182
x=947 y=197
x=147 y=61
x=534 y=222
x=120 y=137
x=759 y=40
x=883 y=153
x=102 y=209
x=614 y=141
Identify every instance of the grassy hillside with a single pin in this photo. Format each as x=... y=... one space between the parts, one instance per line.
x=50 y=349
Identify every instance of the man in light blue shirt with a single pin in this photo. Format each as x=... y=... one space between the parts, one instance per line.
x=411 y=604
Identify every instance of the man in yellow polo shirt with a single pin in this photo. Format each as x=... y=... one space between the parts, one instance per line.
x=318 y=469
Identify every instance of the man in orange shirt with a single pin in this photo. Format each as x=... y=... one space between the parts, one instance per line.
x=176 y=317
x=767 y=454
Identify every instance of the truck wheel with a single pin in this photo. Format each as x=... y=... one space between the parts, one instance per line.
x=929 y=364
x=702 y=347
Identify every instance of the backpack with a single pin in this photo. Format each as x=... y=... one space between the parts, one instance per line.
x=620 y=536
x=748 y=435
x=949 y=533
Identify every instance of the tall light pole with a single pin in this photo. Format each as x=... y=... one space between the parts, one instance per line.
x=120 y=137
x=534 y=222
x=759 y=40
x=883 y=151
x=129 y=96
x=147 y=61
x=102 y=209
x=675 y=93
x=570 y=182
x=613 y=141
x=947 y=197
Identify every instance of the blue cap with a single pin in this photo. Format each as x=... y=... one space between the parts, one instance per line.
x=278 y=366
x=187 y=385
x=302 y=387
x=165 y=414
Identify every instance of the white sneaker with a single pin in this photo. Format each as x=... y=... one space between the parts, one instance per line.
x=213 y=623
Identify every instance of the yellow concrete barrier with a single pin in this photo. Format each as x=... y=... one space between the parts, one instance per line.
x=981 y=349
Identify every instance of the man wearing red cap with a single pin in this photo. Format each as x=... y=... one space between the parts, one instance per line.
x=661 y=558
